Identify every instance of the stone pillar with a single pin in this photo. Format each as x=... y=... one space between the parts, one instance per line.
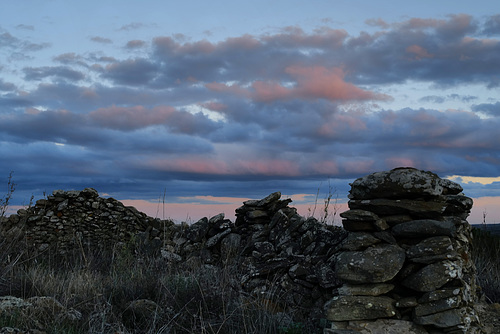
x=405 y=262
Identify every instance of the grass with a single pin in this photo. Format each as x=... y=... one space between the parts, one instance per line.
x=102 y=286
x=486 y=256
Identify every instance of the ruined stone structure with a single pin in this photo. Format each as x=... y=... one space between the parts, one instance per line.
x=406 y=257
x=401 y=262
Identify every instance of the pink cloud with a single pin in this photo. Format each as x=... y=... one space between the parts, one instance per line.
x=198 y=165
x=269 y=91
x=418 y=52
x=268 y=167
x=321 y=82
x=316 y=82
x=341 y=123
x=330 y=168
x=191 y=165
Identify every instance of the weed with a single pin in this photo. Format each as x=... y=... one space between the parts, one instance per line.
x=5 y=200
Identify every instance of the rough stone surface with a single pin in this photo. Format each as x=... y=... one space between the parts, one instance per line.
x=366 y=266
x=402 y=182
x=435 y=285
x=344 y=308
x=387 y=326
x=433 y=276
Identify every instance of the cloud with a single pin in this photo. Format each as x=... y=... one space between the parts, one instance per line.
x=6 y=86
x=309 y=83
x=492 y=109
x=61 y=72
x=102 y=40
x=132 y=118
x=134 y=44
x=418 y=52
x=492 y=26
x=253 y=114
x=132 y=26
x=377 y=23
x=432 y=98
x=131 y=72
x=25 y=27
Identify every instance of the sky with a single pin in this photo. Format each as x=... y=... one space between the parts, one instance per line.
x=186 y=109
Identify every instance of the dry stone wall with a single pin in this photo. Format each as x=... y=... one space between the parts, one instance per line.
x=406 y=257
x=401 y=264
x=68 y=220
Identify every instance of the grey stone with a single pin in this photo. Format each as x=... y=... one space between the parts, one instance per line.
x=437 y=306
x=365 y=289
x=432 y=249
x=198 y=230
x=424 y=228
x=387 y=326
x=445 y=319
x=359 y=240
x=230 y=245
x=342 y=308
x=402 y=182
x=376 y=264
x=359 y=215
x=216 y=218
x=415 y=208
x=433 y=276
x=216 y=238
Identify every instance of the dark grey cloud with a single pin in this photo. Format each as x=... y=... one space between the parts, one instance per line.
x=492 y=109
x=58 y=72
x=133 y=72
x=6 y=86
x=432 y=98
x=492 y=26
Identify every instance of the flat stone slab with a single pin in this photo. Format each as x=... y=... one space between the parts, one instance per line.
x=375 y=264
x=402 y=183
x=343 y=308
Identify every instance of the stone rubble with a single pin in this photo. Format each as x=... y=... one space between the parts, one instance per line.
x=406 y=257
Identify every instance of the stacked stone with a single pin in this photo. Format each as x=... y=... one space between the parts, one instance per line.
x=406 y=258
x=288 y=255
x=277 y=251
x=74 y=219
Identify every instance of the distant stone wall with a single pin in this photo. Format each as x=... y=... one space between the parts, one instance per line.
x=401 y=262
x=406 y=257
x=73 y=219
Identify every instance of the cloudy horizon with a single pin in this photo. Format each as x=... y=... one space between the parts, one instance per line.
x=204 y=110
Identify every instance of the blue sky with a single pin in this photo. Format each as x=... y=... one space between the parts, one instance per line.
x=210 y=103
